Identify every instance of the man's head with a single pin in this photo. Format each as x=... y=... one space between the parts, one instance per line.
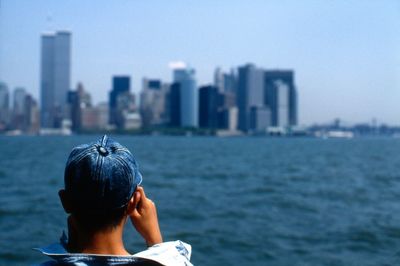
x=100 y=180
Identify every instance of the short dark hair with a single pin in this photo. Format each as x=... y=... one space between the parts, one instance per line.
x=94 y=222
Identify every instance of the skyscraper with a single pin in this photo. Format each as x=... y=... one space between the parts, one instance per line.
x=188 y=96
x=19 y=101
x=230 y=82
x=225 y=82
x=55 y=77
x=250 y=93
x=4 y=105
x=281 y=96
x=175 y=105
x=18 y=114
x=208 y=106
x=120 y=85
x=219 y=81
x=31 y=115
x=153 y=102
x=260 y=118
x=78 y=100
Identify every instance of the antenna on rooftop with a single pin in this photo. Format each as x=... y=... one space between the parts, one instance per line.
x=49 y=22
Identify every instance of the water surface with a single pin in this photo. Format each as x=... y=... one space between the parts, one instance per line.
x=237 y=201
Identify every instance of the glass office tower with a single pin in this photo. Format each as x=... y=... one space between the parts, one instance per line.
x=189 y=109
x=55 y=77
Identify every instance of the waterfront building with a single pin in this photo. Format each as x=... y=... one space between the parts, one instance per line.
x=4 y=106
x=250 y=93
x=175 y=104
x=188 y=96
x=95 y=117
x=19 y=100
x=219 y=81
x=228 y=118
x=78 y=100
x=151 y=84
x=282 y=108
x=31 y=115
x=230 y=82
x=102 y=110
x=132 y=120
x=126 y=105
x=18 y=114
x=54 y=77
x=153 y=102
x=225 y=82
x=89 y=118
x=120 y=85
x=281 y=96
x=227 y=99
x=208 y=106
x=260 y=118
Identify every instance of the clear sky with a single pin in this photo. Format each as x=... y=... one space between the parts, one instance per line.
x=346 y=54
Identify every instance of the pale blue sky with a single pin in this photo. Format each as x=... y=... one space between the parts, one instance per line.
x=346 y=54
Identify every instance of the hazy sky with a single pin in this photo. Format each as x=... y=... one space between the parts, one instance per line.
x=346 y=54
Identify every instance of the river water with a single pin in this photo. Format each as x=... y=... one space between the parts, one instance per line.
x=237 y=201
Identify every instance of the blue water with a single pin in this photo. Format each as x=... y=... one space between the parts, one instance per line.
x=237 y=201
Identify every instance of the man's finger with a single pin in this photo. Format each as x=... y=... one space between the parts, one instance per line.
x=141 y=191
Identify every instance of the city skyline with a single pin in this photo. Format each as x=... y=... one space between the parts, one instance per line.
x=346 y=64
x=249 y=100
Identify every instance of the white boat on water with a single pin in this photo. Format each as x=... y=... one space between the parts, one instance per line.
x=339 y=134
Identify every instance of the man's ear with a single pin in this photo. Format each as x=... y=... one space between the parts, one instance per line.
x=65 y=201
x=133 y=202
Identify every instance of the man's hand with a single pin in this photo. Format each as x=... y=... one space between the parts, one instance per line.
x=144 y=218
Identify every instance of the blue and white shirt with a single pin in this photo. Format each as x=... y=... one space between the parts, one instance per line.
x=167 y=253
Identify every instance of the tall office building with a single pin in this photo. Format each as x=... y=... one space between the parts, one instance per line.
x=102 y=115
x=230 y=82
x=225 y=82
x=4 y=105
x=55 y=77
x=31 y=115
x=84 y=115
x=188 y=96
x=120 y=85
x=18 y=114
x=151 y=84
x=282 y=108
x=281 y=96
x=250 y=93
x=219 y=81
x=174 y=100
x=153 y=102
x=127 y=117
x=79 y=100
x=260 y=118
x=208 y=106
x=19 y=101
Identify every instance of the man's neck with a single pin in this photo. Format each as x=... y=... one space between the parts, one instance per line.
x=107 y=242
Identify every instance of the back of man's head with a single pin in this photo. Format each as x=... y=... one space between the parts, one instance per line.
x=100 y=179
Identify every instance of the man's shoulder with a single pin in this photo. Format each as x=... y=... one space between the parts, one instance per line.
x=80 y=263
x=166 y=253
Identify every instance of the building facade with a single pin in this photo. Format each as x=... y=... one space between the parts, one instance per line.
x=153 y=103
x=54 y=77
x=174 y=99
x=120 y=85
x=188 y=96
x=4 y=106
x=250 y=93
x=19 y=120
x=281 y=96
x=209 y=103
